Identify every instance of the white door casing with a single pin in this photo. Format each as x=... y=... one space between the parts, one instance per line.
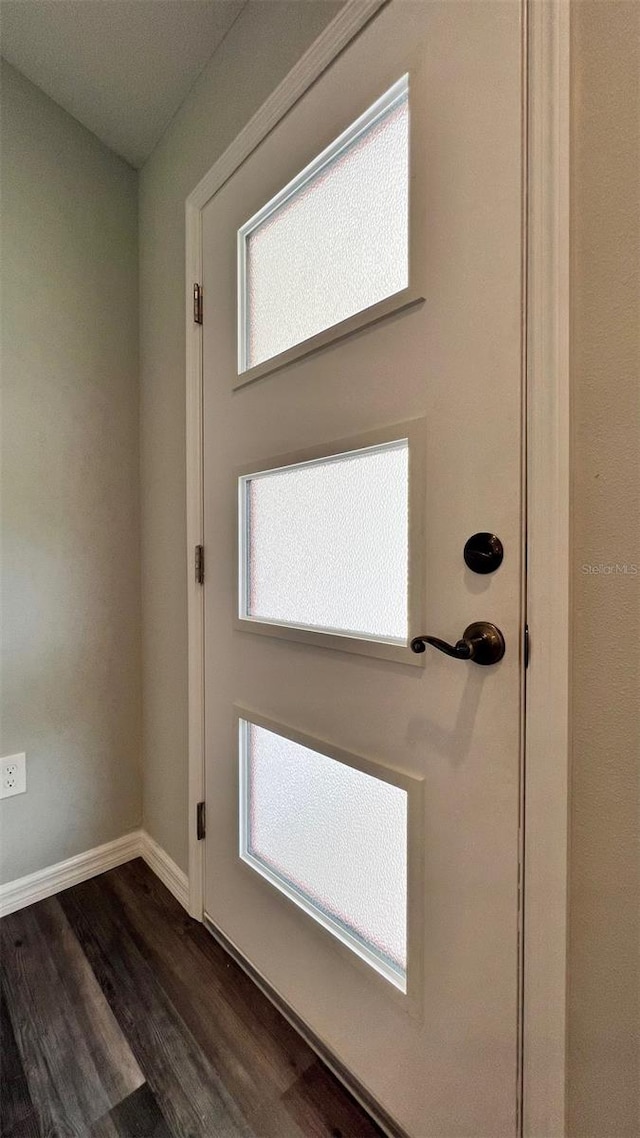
x=196 y=204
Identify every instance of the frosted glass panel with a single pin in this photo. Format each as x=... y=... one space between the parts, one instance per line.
x=333 y=837
x=326 y=544
x=335 y=241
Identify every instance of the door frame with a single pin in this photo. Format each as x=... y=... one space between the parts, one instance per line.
x=546 y=470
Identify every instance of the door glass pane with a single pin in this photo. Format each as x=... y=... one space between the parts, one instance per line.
x=334 y=241
x=325 y=544
x=333 y=838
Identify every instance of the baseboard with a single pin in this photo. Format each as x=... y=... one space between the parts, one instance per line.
x=165 y=868
x=47 y=882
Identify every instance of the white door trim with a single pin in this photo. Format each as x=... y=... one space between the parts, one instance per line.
x=546 y=797
x=547 y=414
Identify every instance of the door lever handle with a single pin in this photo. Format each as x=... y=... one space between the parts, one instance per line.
x=481 y=642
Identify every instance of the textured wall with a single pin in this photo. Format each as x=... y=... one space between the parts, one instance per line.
x=604 y=1004
x=265 y=42
x=70 y=484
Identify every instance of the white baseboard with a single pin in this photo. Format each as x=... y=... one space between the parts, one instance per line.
x=165 y=868
x=46 y=882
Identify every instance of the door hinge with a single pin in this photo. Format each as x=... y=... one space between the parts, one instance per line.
x=527 y=645
x=199 y=564
x=201 y=821
x=197 y=304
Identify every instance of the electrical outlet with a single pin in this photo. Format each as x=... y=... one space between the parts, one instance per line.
x=13 y=775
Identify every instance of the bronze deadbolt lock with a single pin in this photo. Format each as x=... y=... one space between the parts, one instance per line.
x=483 y=553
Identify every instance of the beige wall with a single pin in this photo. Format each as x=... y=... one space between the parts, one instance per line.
x=262 y=46
x=604 y=1003
x=70 y=484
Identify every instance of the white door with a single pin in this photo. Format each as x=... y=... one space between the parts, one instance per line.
x=362 y=420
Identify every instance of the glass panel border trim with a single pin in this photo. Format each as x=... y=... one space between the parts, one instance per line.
x=405 y=982
x=413 y=432
x=245 y=577
x=413 y=294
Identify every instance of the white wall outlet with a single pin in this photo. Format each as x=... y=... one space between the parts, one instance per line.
x=13 y=775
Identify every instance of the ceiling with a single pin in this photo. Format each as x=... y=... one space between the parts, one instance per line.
x=121 y=67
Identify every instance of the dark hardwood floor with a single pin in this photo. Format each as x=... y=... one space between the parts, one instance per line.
x=120 y=1017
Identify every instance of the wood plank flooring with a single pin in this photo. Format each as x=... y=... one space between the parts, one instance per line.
x=120 y=1017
